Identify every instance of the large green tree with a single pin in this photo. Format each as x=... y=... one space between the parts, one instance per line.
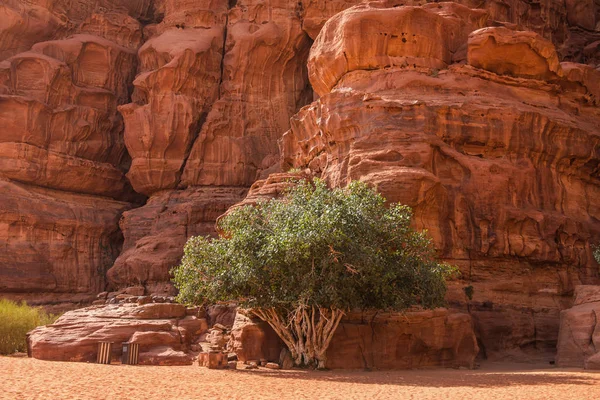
x=300 y=262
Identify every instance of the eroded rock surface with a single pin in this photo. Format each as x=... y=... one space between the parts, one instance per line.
x=579 y=338
x=163 y=331
x=481 y=115
x=155 y=234
x=253 y=339
x=64 y=69
x=216 y=87
x=572 y=25
x=497 y=155
x=414 y=339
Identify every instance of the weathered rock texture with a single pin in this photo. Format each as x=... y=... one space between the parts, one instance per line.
x=64 y=69
x=491 y=140
x=156 y=233
x=414 y=339
x=217 y=84
x=482 y=115
x=579 y=336
x=253 y=339
x=163 y=331
x=572 y=25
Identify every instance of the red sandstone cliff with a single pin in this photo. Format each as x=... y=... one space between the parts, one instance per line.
x=64 y=69
x=477 y=114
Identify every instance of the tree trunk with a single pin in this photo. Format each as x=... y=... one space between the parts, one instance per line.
x=306 y=331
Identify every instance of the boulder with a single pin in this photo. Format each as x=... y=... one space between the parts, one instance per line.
x=164 y=355
x=272 y=365
x=515 y=53
x=148 y=340
x=76 y=334
x=222 y=314
x=253 y=339
x=579 y=335
x=213 y=360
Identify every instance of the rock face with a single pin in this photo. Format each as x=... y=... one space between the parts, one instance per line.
x=63 y=72
x=253 y=339
x=205 y=120
x=416 y=339
x=163 y=331
x=178 y=82
x=579 y=336
x=53 y=241
x=156 y=233
x=481 y=115
x=572 y=25
x=411 y=340
x=497 y=155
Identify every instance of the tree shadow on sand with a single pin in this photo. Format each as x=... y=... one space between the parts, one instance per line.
x=441 y=378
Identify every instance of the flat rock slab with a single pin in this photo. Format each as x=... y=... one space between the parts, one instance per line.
x=162 y=330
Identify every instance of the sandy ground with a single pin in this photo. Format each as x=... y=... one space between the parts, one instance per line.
x=23 y=378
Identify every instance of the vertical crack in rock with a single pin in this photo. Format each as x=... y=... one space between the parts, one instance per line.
x=222 y=67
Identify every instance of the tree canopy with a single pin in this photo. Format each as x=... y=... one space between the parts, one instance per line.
x=330 y=248
x=315 y=249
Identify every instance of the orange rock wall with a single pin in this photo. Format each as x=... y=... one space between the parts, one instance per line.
x=485 y=133
x=129 y=126
x=64 y=69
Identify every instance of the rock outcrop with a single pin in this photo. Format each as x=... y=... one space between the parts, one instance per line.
x=163 y=331
x=415 y=339
x=205 y=121
x=63 y=72
x=481 y=115
x=155 y=234
x=579 y=336
x=572 y=25
x=497 y=155
x=253 y=339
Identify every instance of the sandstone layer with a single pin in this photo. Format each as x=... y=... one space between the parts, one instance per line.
x=488 y=137
x=415 y=339
x=481 y=115
x=164 y=332
x=64 y=69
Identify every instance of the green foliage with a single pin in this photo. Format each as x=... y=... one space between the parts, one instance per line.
x=340 y=248
x=597 y=254
x=15 y=321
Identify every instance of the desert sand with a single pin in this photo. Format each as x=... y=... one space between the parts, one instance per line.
x=23 y=378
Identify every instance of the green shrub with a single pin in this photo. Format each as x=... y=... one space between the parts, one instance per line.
x=15 y=321
x=300 y=262
x=597 y=254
